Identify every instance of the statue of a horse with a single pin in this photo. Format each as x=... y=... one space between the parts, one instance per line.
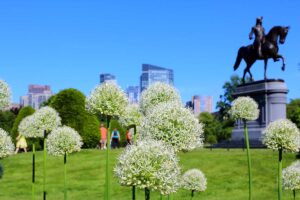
x=269 y=50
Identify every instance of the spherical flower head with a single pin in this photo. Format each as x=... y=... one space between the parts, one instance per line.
x=174 y=125
x=149 y=164
x=108 y=99
x=158 y=93
x=63 y=140
x=5 y=95
x=131 y=116
x=282 y=134
x=194 y=180
x=244 y=108
x=6 y=146
x=291 y=177
x=44 y=119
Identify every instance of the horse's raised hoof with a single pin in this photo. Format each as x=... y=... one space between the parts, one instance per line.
x=283 y=67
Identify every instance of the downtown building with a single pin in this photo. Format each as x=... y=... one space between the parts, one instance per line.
x=37 y=94
x=200 y=104
x=152 y=74
x=133 y=94
x=107 y=77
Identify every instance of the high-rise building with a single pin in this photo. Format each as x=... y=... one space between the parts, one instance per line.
x=133 y=93
x=36 y=95
x=152 y=74
x=200 y=104
x=107 y=77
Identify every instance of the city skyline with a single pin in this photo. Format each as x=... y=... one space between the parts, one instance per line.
x=82 y=39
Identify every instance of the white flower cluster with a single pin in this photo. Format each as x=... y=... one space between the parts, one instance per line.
x=174 y=125
x=149 y=164
x=6 y=146
x=291 y=177
x=33 y=126
x=5 y=95
x=131 y=116
x=63 y=140
x=244 y=108
x=195 y=180
x=158 y=93
x=108 y=99
x=282 y=134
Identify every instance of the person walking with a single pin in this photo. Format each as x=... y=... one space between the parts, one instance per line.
x=103 y=134
x=128 y=137
x=21 y=143
x=115 y=139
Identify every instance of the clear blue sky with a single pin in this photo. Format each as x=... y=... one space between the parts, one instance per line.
x=69 y=43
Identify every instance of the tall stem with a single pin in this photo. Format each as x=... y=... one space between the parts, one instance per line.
x=294 y=193
x=107 y=178
x=33 y=170
x=147 y=194
x=249 y=158
x=65 y=176
x=44 y=167
x=134 y=136
x=280 y=174
x=133 y=192
x=192 y=195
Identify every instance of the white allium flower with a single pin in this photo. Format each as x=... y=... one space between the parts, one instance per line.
x=282 y=134
x=244 y=108
x=33 y=126
x=195 y=180
x=291 y=177
x=5 y=95
x=63 y=140
x=158 y=93
x=131 y=116
x=108 y=99
x=6 y=146
x=174 y=125
x=149 y=164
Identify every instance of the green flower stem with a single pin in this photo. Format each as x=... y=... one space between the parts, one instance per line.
x=161 y=197
x=294 y=193
x=192 y=195
x=44 y=167
x=65 y=176
x=280 y=174
x=147 y=194
x=33 y=170
x=134 y=136
x=133 y=192
x=249 y=158
x=107 y=181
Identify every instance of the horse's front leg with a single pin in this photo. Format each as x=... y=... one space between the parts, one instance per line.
x=283 y=63
x=265 y=72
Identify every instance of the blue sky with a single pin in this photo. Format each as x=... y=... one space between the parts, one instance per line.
x=69 y=43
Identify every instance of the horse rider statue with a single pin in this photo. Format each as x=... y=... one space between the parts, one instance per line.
x=259 y=33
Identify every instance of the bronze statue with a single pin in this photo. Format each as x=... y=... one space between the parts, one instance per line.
x=259 y=33
x=264 y=47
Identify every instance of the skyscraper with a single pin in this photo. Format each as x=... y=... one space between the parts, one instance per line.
x=107 y=77
x=133 y=93
x=200 y=104
x=36 y=95
x=152 y=74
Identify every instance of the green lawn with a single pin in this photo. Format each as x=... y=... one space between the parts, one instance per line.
x=226 y=172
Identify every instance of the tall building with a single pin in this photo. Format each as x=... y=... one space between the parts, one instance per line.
x=36 y=95
x=152 y=74
x=133 y=93
x=107 y=77
x=200 y=104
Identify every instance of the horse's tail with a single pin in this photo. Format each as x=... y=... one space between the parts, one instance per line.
x=238 y=58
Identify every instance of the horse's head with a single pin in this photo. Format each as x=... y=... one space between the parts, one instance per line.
x=283 y=33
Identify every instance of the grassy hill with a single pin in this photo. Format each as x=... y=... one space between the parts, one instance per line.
x=226 y=172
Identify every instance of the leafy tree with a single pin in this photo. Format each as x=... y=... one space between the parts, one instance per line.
x=7 y=119
x=70 y=104
x=293 y=111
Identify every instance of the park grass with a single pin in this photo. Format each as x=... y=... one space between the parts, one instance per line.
x=226 y=172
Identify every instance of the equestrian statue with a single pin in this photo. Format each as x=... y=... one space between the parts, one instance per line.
x=263 y=48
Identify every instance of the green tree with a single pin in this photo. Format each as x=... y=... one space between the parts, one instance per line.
x=293 y=111
x=70 y=104
x=7 y=119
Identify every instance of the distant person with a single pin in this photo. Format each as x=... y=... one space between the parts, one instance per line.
x=103 y=134
x=128 y=137
x=115 y=139
x=21 y=143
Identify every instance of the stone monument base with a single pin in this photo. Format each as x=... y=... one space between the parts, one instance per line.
x=271 y=97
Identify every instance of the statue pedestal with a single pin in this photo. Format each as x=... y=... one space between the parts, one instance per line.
x=271 y=97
